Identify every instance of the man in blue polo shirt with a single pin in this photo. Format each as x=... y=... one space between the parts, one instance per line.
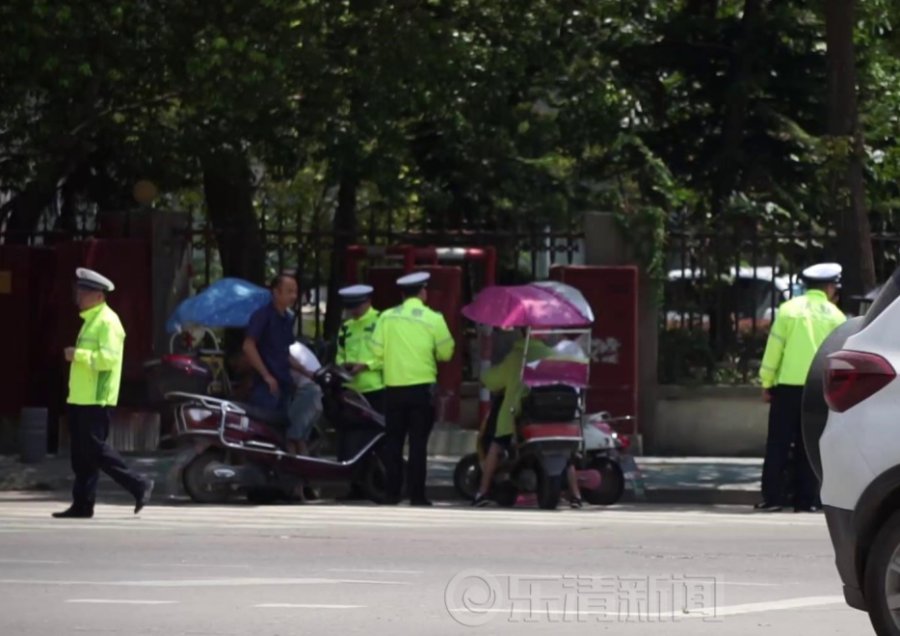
x=267 y=344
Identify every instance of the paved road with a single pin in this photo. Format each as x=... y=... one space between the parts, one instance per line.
x=316 y=569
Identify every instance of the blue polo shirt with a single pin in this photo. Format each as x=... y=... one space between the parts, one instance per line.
x=274 y=335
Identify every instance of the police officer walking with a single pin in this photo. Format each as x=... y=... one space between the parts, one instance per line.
x=94 y=378
x=409 y=341
x=800 y=327
x=355 y=355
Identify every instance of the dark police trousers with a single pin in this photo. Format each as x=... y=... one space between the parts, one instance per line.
x=409 y=410
x=784 y=429
x=88 y=430
x=353 y=436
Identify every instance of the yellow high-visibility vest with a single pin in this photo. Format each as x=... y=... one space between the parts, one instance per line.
x=96 y=371
x=355 y=347
x=800 y=327
x=408 y=342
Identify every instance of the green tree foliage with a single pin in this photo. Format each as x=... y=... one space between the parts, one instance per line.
x=454 y=113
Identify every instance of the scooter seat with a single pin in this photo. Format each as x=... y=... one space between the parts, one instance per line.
x=266 y=416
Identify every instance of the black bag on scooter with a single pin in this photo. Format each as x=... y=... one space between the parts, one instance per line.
x=555 y=403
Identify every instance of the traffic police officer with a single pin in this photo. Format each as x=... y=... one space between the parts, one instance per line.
x=800 y=327
x=354 y=350
x=354 y=353
x=409 y=341
x=94 y=378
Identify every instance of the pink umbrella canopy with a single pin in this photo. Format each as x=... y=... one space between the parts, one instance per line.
x=546 y=304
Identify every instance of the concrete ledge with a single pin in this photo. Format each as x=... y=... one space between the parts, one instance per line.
x=708 y=421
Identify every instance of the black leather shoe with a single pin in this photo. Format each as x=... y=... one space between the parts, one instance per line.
x=145 y=496
x=807 y=509
x=74 y=513
x=765 y=506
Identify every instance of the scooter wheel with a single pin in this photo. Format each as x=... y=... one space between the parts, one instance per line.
x=374 y=479
x=197 y=486
x=612 y=483
x=505 y=494
x=549 y=490
x=467 y=476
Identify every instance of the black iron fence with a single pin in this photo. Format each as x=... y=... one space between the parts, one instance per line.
x=721 y=291
x=525 y=251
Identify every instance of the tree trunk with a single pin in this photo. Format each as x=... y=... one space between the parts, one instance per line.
x=737 y=102
x=848 y=193
x=228 y=188
x=344 y=233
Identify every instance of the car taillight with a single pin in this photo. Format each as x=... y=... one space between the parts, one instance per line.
x=853 y=376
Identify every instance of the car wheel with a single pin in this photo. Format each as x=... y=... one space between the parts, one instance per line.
x=882 y=580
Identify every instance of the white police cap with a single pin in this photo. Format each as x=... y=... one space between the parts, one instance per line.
x=414 y=280
x=823 y=273
x=355 y=294
x=90 y=279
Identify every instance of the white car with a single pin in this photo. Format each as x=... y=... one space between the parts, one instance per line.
x=851 y=429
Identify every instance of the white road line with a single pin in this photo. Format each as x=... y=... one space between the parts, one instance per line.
x=755 y=608
x=365 y=571
x=176 y=583
x=110 y=601
x=31 y=562
x=306 y=606
x=706 y=613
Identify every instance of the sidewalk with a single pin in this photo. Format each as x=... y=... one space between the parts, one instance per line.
x=666 y=480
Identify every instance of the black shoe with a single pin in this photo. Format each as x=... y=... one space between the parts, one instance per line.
x=74 y=513
x=575 y=502
x=142 y=501
x=765 y=506
x=420 y=503
x=310 y=493
x=480 y=501
x=807 y=509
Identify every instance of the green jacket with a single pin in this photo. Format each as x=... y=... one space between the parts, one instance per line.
x=408 y=342
x=800 y=327
x=96 y=371
x=355 y=347
x=507 y=377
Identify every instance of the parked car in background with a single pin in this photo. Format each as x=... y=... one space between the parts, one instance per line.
x=747 y=297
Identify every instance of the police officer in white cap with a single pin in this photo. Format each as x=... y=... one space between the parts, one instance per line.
x=354 y=354
x=800 y=327
x=94 y=378
x=408 y=342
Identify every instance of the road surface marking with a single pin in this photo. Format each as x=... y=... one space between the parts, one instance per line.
x=366 y=571
x=31 y=562
x=174 y=583
x=711 y=613
x=306 y=606
x=771 y=606
x=110 y=601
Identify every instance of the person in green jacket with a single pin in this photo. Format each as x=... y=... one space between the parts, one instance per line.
x=800 y=327
x=94 y=378
x=355 y=355
x=408 y=343
x=506 y=377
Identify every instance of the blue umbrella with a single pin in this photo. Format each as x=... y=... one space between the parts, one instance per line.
x=228 y=302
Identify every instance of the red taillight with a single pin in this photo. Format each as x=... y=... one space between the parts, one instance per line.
x=853 y=376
